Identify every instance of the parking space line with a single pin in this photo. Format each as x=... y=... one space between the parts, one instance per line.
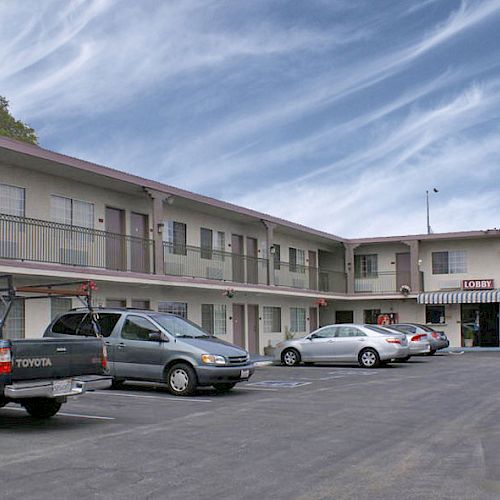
x=63 y=414
x=256 y=389
x=162 y=398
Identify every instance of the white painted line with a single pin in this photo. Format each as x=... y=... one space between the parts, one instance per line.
x=97 y=417
x=179 y=399
x=256 y=389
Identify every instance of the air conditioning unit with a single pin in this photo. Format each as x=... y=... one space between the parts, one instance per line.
x=298 y=283
x=175 y=268
x=74 y=257
x=9 y=249
x=214 y=273
x=363 y=286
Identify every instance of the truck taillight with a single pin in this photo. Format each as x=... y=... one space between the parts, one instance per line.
x=104 y=357
x=5 y=360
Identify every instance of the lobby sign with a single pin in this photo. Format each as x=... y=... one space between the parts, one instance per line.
x=488 y=284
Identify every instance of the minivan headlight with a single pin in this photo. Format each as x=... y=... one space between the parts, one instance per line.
x=212 y=359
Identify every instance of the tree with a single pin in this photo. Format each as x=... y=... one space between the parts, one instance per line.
x=15 y=129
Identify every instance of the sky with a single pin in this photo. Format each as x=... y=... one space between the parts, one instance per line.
x=336 y=114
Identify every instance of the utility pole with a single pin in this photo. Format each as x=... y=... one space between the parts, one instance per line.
x=429 y=230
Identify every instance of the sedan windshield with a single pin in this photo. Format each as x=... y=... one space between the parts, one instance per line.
x=179 y=327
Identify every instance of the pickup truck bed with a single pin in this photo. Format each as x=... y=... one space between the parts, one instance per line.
x=42 y=373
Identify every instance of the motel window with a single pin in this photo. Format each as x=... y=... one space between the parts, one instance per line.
x=59 y=305
x=297 y=260
x=219 y=245
x=72 y=212
x=277 y=256
x=141 y=304
x=454 y=262
x=14 y=326
x=175 y=237
x=435 y=314
x=272 y=319
x=297 y=319
x=213 y=319
x=370 y=316
x=366 y=266
x=206 y=243
x=177 y=308
x=12 y=200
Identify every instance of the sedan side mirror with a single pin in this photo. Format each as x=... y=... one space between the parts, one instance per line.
x=156 y=337
x=313 y=336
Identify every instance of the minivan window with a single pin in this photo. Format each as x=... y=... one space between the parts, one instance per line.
x=179 y=327
x=106 y=322
x=137 y=328
x=68 y=324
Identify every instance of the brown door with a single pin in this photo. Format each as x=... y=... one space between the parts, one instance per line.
x=253 y=329
x=313 y=319
x=403 y=270
x=252 y=262
x=238 y=259
x=139 y=249
x=116 y=256
x=313 y=271
x=239 y=325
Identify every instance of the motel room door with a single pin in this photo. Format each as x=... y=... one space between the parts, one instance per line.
x=239 y=325
x=139 y=249
x=116 y=252
x=403 y=270
x=253 y=328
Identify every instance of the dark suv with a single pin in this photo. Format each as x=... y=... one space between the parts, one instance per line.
x=159 y=347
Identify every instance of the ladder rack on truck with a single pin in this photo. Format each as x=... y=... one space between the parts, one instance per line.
x=9 y=293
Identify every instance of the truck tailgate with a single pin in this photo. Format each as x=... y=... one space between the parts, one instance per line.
x=56 y=358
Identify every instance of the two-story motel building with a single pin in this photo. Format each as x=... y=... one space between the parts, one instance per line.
x=245 y=276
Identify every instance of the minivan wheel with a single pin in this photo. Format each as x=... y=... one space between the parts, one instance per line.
x=431 y=352
x=290 y=357
x=369 y=358
x=42 y=407
x=181 y=379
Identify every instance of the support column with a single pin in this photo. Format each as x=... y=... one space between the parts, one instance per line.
x=415 y=281
x=158 y=199
x=270 y=255
x=349 y=266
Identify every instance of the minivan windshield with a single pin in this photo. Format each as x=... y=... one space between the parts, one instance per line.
x=179 y=327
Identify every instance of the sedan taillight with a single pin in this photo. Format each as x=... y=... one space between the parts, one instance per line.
x=5 y=360
x=393 y=340
x=436 y=335
x=418 y=338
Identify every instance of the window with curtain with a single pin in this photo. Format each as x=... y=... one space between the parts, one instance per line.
x=297 y=319
x=213 y=319
x=177 y=308
x=15 y=324
x=59 y=305
x=453 y=262
x=206 y=243
x=175 y=237
x=72 y=212
x=297 y=260
x=272 y=319
x=12 y=200
x=366 y=266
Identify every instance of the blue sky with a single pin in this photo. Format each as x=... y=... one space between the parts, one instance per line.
x=337 y=114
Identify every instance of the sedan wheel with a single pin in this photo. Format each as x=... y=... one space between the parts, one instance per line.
x=181 y=380
x=290 y=357
x=369 y=359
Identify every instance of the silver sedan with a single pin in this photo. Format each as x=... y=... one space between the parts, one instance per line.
x=346 y=343
x=417 y=343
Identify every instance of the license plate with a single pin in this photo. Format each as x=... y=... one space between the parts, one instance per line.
x=245 y=374
x=61 y=387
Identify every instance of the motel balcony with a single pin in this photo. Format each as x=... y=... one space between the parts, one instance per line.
x=382 y=282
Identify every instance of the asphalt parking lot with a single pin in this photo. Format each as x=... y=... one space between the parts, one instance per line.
x=426 y=429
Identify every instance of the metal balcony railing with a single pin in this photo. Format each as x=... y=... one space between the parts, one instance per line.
x=36 y=240
x=309 y=278
x=382 y=282
x=196 y=262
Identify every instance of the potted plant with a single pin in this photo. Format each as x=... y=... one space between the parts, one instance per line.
x=468 y=337
x=268 y=349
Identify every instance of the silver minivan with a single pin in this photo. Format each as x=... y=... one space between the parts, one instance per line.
x=367 y=345
x=159 y=347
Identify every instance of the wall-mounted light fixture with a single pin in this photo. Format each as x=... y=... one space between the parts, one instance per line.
x=160 y=227
x=272 y=249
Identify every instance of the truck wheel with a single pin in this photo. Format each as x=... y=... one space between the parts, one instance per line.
x=42 y=407
x=181 y=379
x=224 y=387
x=117 y=383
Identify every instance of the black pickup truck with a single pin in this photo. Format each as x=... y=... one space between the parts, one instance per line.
x=40 y=374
